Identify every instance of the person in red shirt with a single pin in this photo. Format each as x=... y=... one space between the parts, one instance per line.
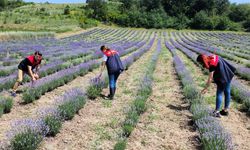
x=222 y=73
x=26 y=66
x=114 y=66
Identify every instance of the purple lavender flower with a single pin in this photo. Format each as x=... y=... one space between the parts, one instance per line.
x=22 y=126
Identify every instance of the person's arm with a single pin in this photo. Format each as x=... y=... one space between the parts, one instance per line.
x=36 y=71
x=31 y=73
x=210 y=78
x=102 y=68
x=103 y=64
x=37 y=68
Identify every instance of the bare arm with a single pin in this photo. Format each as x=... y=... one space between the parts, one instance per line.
x=37 y=68
x=210 y=78
x=30 y=72
x=102 y=67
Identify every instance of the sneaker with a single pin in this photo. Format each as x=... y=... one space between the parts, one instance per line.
x=216 y=114
x=224 y=113
x=13 y=94
x=110 y=97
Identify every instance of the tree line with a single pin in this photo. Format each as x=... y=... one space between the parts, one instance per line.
x=176 y=14
x=159 y=14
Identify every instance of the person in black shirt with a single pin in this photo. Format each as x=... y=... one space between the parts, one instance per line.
x=222 y=73
x=27 y=66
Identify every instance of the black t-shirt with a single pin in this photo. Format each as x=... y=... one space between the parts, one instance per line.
x=24 y=65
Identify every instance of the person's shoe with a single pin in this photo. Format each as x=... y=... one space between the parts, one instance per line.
x=216 y=114
x=224 y=113
x=13 y=94
x=112 y=93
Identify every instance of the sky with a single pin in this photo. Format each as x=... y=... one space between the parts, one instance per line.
x=80 y=1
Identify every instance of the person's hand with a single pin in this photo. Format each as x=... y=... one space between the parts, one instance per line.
x=36 y=76
x=204 y=91
x=33 y=79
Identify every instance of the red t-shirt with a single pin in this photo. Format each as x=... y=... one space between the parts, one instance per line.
x=32 y=61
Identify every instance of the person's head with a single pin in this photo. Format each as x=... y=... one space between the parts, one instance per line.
x=104 y=48
x=38 y=56
x=203 y=60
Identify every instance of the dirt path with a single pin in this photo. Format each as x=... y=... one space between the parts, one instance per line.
x=98 y=122
x=237 y=123
x=165 y=125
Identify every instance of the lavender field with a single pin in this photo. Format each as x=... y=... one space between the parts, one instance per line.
x=158 y=104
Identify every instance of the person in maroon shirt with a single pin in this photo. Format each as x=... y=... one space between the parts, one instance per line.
x=27 y=66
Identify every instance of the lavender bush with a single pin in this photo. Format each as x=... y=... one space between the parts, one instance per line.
x=139 y=105
x=6 y=103
x=71 y=102
x=213 y=136
x=51 y=117
x=96 y=86
x=27 y=134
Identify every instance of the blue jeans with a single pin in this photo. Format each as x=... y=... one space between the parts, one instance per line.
x=219 y=94
x=113 y=79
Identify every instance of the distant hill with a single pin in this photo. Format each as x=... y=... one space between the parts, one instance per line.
x=43 y=17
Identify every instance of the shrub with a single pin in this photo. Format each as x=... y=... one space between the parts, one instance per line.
x=54 y=125
x=71 y=103
x=129 y=123
x=120 y=145
x=199 y=111
x=95 y=88
x=52 y=119
x=29 y=96
x=27 y=134
x=190 y=92
x=6 y=104
x=140 y=106
x=66 y=10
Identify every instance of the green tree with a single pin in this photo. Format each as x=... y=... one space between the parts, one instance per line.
x=246 y=24
x=99 y=8
x=239 y=13
x=201 y=20
x=3 y=3
x=66 y=10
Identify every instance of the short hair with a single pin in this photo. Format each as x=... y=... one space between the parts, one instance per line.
x=103 y=47
x=38 y=53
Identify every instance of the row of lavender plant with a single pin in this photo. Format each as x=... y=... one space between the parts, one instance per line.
x=138 y=106
x=240 y=93
x=50 y=82
x=234 y=56
x=62 y=77
x=225 y=46
x=97 y=84
x=54 y=50
x=8 y=82
x=239 y=42
x=212 y=134
x=241 y=70
x=27 y=134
